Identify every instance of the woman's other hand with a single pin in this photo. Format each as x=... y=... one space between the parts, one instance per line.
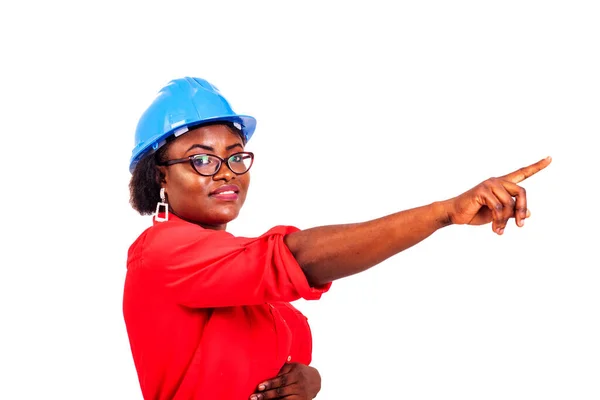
x=294 y=382
x=495 y=200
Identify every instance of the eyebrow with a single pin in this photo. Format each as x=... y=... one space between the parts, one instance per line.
x=209 y=148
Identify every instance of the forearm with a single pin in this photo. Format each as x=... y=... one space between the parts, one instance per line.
x=332 y=252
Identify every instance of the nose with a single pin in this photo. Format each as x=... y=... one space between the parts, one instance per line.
x=224 y=173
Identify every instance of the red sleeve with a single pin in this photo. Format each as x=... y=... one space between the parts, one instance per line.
x=207 y=268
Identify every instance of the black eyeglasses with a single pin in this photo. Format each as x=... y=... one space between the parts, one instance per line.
x=209 y=164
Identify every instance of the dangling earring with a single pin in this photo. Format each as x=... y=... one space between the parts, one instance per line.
x=163 y=203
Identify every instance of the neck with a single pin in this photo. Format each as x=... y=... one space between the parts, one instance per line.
x=214 y=227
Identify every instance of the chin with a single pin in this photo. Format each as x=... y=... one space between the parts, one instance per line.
x=223 y=218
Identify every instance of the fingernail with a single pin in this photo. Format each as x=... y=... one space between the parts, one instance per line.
x=261 y=387
x=522 y=222
x=500 y=231
x=253 y=397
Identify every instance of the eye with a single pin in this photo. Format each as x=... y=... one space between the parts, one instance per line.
x=202 y=160
x=237 y=158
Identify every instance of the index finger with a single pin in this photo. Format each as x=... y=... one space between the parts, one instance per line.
x=277 y=382
x=523 y=173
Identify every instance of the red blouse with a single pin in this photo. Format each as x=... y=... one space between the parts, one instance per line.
x=208 y=314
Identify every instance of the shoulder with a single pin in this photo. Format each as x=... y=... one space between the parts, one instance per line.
x=164 y=238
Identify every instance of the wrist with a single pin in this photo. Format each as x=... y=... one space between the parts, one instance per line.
x=442 y=211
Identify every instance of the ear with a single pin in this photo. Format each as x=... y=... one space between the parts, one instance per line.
x=161 y=175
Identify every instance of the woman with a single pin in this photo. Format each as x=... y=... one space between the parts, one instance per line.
x=208 y=313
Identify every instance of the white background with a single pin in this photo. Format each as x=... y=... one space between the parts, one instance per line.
x=435 y=96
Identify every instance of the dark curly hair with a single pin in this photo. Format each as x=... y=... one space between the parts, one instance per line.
x=144 y=186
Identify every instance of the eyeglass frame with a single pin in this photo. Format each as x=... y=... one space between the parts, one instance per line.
x=221 y=162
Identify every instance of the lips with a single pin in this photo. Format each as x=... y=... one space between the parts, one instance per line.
x=226 y=189
x=226 y=192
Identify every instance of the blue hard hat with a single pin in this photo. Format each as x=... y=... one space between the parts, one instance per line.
x=180 y=105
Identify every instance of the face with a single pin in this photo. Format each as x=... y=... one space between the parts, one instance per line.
x=200 y=199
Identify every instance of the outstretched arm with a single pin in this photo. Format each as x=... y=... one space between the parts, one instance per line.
x=332 y=252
